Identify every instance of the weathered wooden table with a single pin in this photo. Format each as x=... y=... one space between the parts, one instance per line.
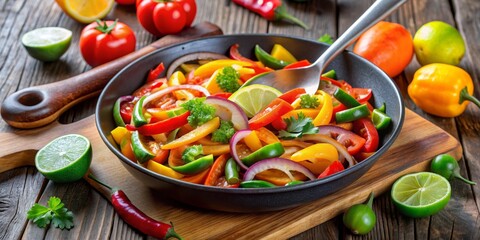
x=96 y=219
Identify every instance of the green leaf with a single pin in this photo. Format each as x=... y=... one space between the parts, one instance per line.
x=200 y=112
x=227 y=79
x=298 y=127
x=309 y=101
x=224 y=132
x=56 y=213
x=326 y=38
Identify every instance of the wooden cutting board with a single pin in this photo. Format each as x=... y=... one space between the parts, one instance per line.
x=418 y=142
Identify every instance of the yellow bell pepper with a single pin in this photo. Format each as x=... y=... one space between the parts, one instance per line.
x=441 y=89
x=216 y=150
x=326 y=109
x=252 y=141
x=316 y=157
x=162 y=169
x=206 y=70
x=118 y=133
x=195 y=134
x=178 y=78
x=308 y=112
x=280 y=53
x=212 y=86
x=266 y=135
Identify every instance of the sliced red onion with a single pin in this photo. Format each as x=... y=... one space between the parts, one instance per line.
x=326 y=139
x=170 y=89
x=281 y=164
x=229 y=111
x=237 y=137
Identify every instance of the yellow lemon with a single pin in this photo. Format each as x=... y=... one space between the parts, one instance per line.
x=86 y=11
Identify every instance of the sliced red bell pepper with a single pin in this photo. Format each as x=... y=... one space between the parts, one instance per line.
x=235 y=54
x=225 y=95
x=154 y=73
x=163 y=126
x=334 y=167
x=149 y=87
x=274 y=110
x=217 y=170
x=362 y=94
x=365 y=128
x=126 y=109
x=353 y=142
x=299 y=64
x=292 y=95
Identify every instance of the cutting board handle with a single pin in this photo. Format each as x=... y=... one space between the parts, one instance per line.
x=40 y=105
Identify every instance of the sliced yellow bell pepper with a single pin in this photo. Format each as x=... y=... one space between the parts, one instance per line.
x=118 y=133
x=308 y=112
x=266 y=136
x=252 y=141
x=216 y=150
x=178 y=78
x=164 y=170
x=280 y=53
x=206 y=70
x=278 y=177
x=316 y=157
x=326 y=109
x=212 y=86
x=195 y=134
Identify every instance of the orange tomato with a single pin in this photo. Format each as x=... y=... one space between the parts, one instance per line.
x=387 y=45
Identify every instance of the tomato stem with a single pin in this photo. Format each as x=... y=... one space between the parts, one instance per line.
x=105 y=28
x=465 y=96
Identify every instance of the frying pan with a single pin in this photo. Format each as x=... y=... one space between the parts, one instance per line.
x=350 y=67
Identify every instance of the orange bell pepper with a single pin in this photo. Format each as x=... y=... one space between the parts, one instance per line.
x=195 y=134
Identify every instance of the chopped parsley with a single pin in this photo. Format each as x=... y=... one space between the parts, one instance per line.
x=227 y=79
x=298 y=127
x=309 y=101
x=54 y=213
x=224 y=132
x=200 y=112
x=326 y=38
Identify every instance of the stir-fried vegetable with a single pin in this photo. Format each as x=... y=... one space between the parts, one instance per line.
x=186 y=127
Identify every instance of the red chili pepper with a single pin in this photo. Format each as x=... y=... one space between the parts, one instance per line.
x=154 y=73
x=272 y=10
x=135 y=217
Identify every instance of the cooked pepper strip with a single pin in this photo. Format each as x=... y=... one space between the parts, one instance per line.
x=138 y=117
x=345 y=98
x=316 y=157
x=196 y=166
x=334 y=167
x=256 y=184
x=279 y=52
x=380 y=119
x=352 y=114
x=164 y=126
x=268 y=59
x=231 y=172
x=116 y=110
x=268 y=151
x=272 y=10
x=216 y=171
x=164 y=170
x=326 y=110
x=141 y=152
x=195 y=134
x=154 y=73
x=206 y=70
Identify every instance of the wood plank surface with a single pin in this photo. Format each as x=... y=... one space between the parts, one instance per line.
x=95 y=218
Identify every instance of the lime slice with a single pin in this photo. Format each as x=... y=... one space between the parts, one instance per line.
x=47 y=44
x=65 y=159
x=254 y=98
x=421 y=194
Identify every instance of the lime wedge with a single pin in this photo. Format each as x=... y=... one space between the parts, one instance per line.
x=65 y=159
x=47 y=44
x=254 y=98
x=421 y=194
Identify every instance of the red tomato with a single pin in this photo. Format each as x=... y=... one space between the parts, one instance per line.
x=125 y=2
x=273 y=111
x=101 y=42
x=350 y=140
x=190 y=8
x=162 y=18
x=334 y=167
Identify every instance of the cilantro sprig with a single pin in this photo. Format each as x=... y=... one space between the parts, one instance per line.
x=55 y=213
x=298 y=127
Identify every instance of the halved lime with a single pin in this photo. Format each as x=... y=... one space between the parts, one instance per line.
x=254 y=98
x=65 y=159
x=421 y=194
x=47 y=44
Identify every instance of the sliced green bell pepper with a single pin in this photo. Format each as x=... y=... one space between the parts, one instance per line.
x=380 y=119
x=141 y=152
x=138 y=117
x=345 y=98
x=352 y=114
x=196 y=166
x=231 y=172
x=268 y=151
x=268 y=59
x=256 y=184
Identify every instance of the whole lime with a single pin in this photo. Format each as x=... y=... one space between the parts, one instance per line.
x=438 y=42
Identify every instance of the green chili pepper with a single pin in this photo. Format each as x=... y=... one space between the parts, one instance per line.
x=117 y=117
x=330 y=74
x=195 y=166
x=380 y=119
x=231 y=171
x=360 y=218
x=256 y=184
x=292 y=183
x=345 y=98
x=141 y=152
x=352 y=114
x=268 y=59
x=138 y=118
x=447 y=166
x=268 y=151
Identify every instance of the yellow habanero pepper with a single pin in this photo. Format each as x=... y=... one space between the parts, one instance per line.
x=441 y=89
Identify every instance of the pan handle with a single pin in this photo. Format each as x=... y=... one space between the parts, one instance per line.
x=38 y=106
